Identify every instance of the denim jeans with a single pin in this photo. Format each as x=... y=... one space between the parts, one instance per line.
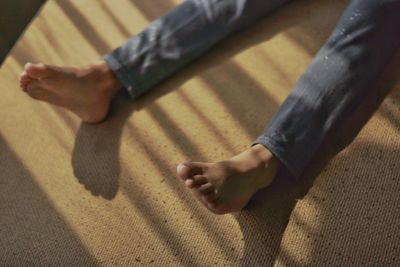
x=340 y=75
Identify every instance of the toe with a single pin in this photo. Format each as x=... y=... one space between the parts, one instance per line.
x=187 y=170
x=35 y=91
x=37 y=71
x=23 y=85
x=206 y=188
x=189 y=183
x=196 y=181
x=24 y=80
x=199 y=180
x=24 y=75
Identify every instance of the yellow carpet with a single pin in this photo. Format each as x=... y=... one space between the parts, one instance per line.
x=79 y=195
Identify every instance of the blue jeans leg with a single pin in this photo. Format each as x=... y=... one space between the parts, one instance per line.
x=340 y=75
x=177 y=38
x=336 y=82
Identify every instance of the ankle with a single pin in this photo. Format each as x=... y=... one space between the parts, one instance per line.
x=258 y=160
x=102 y=73
x=255 y=157
x=262 y=155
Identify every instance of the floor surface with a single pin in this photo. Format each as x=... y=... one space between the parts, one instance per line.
x=81 y=195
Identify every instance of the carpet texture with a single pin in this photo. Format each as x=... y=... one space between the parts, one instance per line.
x=102 y=195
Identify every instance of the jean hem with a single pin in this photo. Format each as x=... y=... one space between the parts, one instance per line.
x=132 y=87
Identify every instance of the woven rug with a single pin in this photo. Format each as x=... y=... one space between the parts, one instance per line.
x=102 y=195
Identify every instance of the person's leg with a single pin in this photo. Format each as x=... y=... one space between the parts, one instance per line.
x=336 y=82
x=181 y=36
x=163 y=48
x=366 y=36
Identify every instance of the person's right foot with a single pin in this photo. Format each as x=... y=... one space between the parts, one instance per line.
x=87 y=91
x=228 y=185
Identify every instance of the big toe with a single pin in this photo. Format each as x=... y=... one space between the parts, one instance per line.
x=38 y=71
x=188 y=170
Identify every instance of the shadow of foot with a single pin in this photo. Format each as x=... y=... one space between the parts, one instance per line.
x=265 y=218
x=95 y=158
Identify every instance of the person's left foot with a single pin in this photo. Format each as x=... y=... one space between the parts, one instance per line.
x=227 y=186
x=85 y=91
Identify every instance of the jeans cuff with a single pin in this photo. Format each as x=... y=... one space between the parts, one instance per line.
x=132 y=87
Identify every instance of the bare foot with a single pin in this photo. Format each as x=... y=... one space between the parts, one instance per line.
x=85 y=91
x=227 y=186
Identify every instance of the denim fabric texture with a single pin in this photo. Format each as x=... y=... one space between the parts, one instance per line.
x=340 y=75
